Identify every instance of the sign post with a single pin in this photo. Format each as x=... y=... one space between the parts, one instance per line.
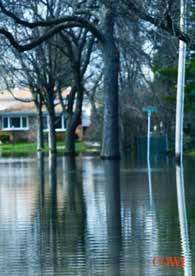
x=149 y=110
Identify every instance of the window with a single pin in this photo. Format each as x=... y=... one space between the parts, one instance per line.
x=59 y=121
x=24 y=122
x=15 y=123
x=45 y=122
x=5 y=122
x=60 y=124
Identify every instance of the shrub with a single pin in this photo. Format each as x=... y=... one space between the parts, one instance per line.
x=5 y=138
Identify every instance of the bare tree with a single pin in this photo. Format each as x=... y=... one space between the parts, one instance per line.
x=79 y=50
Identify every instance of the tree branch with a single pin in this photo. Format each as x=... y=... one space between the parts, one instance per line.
x=77 y=21
x=166 y=25
x=47 y=35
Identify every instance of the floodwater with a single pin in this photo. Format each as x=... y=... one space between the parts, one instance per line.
x=98 y=218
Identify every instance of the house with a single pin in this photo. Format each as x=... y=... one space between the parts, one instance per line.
x=18 y=119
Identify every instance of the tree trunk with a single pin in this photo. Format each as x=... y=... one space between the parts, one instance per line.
x=40 y=134
x=110 y=146
x=73 y=121
x=70 y=139
x=51 y=133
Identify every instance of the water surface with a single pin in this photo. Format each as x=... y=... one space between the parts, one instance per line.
x=98 y=218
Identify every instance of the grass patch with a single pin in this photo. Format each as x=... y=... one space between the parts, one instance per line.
x=18 y=148
x=30 y=148
x=80 y=147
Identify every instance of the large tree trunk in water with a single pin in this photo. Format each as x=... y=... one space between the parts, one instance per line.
x=70 y=139
x=110 y=146
x=40 y=134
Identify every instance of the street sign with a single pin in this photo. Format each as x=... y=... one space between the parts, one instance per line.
x=149 y=109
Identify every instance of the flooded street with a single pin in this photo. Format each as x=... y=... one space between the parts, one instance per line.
x=99 y=218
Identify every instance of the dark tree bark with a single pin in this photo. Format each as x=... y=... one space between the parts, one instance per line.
x=51 y=132
x=70 y=140
x=40 y=134
x=51 y=135
x=73 y=121
x=110 y=147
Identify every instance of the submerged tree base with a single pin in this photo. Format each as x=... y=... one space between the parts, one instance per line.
x=178 y=159
x=71 y=154
x=117 y=157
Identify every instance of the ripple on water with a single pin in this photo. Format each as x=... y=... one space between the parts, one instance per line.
x=100 y=221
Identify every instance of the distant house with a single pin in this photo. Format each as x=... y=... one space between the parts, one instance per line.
x=19 y=118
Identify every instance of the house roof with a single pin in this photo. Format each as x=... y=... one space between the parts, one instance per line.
x=9 y=101
x=22 y=93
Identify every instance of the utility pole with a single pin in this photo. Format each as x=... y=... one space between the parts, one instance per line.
x=180 y=87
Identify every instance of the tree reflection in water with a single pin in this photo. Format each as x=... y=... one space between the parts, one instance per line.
x=41 y=177
x=61 y=220
x=94 y=219
x=101 y=183
x=53 y=170
x=113 y=214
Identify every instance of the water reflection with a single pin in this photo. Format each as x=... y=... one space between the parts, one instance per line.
x=96 y=218
x=150 y=182
x=53 y=170
x=186 y=252
x=65 y=217
x=41 y=177
x=102 y=197
x=17 y=207
x=139 y=222
x=113 y=214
